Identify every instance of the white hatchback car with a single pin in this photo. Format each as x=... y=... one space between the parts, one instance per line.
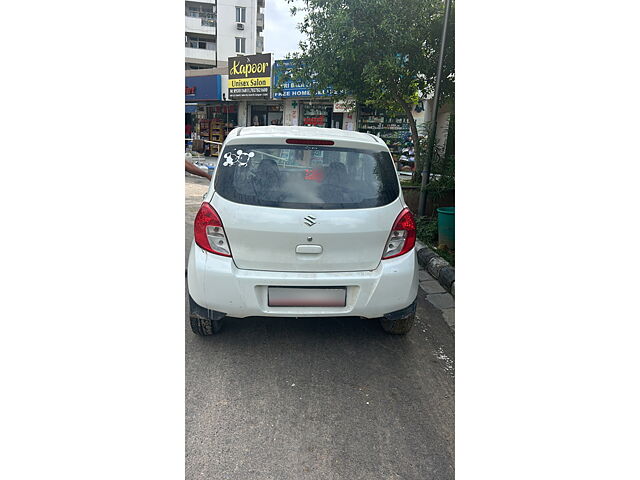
x=303 y=222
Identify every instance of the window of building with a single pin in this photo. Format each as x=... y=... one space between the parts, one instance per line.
x=240 y=45
x=200 y=42
x=198 y=10
x=241 y=14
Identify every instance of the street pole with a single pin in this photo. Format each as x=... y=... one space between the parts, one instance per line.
x=426 y=168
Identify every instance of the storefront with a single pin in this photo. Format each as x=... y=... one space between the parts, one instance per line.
x=250 y=84
x=267 y=113
x=316 y=114
x=207 y=115
x=391 y=127
x=344 y=114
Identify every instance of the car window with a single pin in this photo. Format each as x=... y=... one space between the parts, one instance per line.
x=306 y=177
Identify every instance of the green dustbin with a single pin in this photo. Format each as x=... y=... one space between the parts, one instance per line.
x=446 y=227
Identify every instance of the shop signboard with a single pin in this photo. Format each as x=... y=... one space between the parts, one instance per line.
x=205 y=88
x=343 y=106
x=250 y=76
x=291 y=89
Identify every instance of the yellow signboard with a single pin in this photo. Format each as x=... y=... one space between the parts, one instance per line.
x=250 y=82
x=250 y=76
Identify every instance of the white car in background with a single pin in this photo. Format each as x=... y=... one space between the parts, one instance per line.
x=303 y=222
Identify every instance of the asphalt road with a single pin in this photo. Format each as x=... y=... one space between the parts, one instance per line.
x=337 y=398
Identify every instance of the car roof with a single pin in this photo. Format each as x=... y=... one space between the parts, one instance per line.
x=277 y=132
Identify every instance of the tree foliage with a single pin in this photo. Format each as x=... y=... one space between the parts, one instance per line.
x=383 y=53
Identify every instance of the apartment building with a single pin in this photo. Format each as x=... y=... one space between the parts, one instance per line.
x=218 y=29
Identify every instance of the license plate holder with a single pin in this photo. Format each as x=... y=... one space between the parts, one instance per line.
x=307 y=296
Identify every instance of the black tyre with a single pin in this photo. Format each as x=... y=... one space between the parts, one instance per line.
x=204 y=322
x=205 y=326
x=399 y=326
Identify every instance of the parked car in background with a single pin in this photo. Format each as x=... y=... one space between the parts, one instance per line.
x=303 y=222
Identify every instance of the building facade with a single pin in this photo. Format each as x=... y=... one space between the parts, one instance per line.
x=218 y=29
x=241 y=95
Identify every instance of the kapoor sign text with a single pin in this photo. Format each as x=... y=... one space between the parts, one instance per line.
x=248 y=68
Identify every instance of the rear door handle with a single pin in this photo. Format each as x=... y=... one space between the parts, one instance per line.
x=309 y=249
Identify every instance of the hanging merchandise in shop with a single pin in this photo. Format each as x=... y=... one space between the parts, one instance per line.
x=250 y=76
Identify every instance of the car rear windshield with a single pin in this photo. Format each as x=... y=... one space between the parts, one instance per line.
x=311 y=177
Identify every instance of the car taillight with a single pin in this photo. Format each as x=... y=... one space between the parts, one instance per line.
x=403 y=235
x=209 y=232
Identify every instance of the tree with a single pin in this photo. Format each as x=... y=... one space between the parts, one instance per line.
x=382 y=53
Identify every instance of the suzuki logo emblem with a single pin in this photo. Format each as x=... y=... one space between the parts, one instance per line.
x=309 y=220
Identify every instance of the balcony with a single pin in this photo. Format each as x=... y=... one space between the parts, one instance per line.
x=259 y=44
x=201 y=24
x=260 y=22
x=260 y=3
x=206 y=56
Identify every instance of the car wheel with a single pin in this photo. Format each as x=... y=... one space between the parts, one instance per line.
x=205 y=326
x=399 y=326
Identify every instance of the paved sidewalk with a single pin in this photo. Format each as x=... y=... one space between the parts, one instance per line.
x=436 y=295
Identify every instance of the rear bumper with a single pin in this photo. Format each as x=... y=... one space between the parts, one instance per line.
x=216 y=284
x=201 y=312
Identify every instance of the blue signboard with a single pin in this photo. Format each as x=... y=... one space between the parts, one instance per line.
x=205 y=88
x=290 y=89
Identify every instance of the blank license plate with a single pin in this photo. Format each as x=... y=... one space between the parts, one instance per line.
x=307 y=297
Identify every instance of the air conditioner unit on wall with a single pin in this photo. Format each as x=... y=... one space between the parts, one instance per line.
x=240 y=26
